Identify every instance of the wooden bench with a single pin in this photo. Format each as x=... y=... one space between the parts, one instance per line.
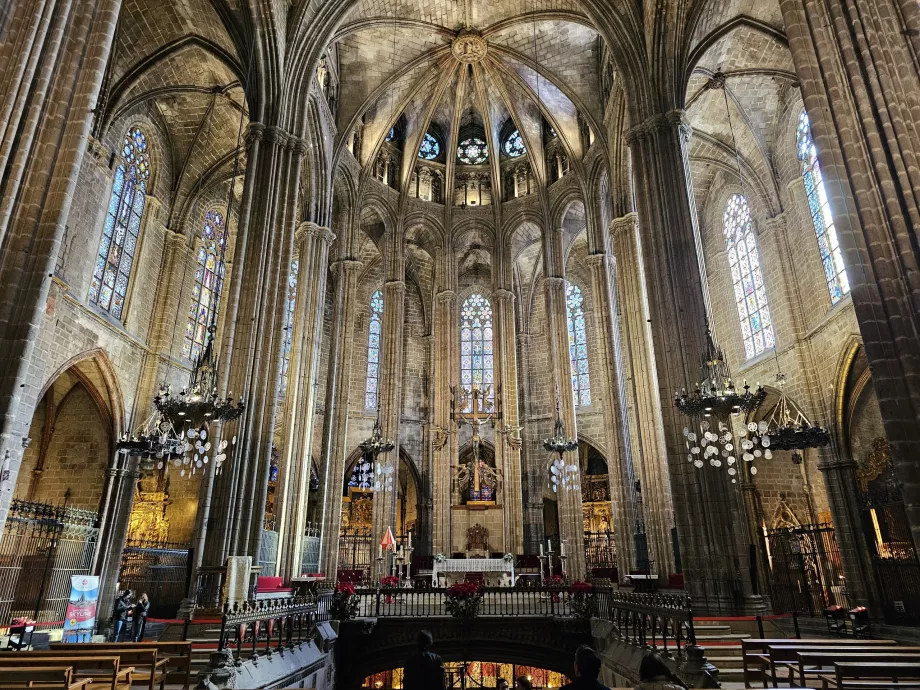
x=754 y=652
x=23 y=678
x=177 y=654
x=811 y=665
x=855 y=674
x=778 y=657
x=104 y=671
x=148 y=667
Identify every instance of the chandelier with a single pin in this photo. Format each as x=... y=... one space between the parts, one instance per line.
x=789 y=427
x=373 y=447
x=156 y=439
x=561 y=474
x=710 y=407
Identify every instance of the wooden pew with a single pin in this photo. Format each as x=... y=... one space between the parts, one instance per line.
x=810 y=665
x=178 y=656
x=753 y=651
x=104 y=671
x=855 y=674
x=53 y=678
x=148 y=667
x=779 y=657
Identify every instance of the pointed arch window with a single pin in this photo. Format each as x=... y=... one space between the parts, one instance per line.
x=473 y=151
x=514 y=145
x=430 y=148
x=374 y=331
x=747 y=277
x=831 y=257
x=115 y=257
x=288 y=335
x=476 y=358
x=209 y=279
x=578 y=343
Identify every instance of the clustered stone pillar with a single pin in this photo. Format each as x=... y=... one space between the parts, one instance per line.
x=713 y=538
x=335 y=427
x=643 y=406
x=571 y=519
x=508 y=438
x=54 y=54
x=857 y=64
x=252 y=340
x=313 y=243
x=443 y=441
x=621 y=474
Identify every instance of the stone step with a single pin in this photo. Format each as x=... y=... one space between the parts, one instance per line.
x=711 y=626
x=727 y=637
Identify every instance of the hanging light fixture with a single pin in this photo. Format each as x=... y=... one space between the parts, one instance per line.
x=560 y=474
x=155 y=442
x=789 y=428
x=373 y=447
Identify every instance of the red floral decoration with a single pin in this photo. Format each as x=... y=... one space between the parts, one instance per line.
x=580 y=587
x=390 y=581
x=345 y=588
x=554 y=581
x=463 y=590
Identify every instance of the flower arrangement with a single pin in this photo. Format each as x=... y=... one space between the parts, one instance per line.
x=463 y=600
x=554 y=581
x=508 y=558
x=440 y=557
x=344 y=602
x=390 y=582
x=582 y=601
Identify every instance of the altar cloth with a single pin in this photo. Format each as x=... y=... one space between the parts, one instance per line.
x=471 y=565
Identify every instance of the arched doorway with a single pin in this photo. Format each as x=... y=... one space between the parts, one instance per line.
x=357 y=543
x=597 y=511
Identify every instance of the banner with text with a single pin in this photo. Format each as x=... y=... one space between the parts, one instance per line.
x=81 y=609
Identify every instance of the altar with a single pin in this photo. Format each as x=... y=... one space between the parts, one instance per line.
x=473 y=565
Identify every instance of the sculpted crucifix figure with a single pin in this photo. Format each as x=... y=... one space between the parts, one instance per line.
x=475 y=409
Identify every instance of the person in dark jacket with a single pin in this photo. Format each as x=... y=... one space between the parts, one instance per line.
x=139 y=620
x=654 y=674
x=587 y=669
x=120 y=614
x=424 y=669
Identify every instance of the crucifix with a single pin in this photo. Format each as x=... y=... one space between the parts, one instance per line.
x=475 y=409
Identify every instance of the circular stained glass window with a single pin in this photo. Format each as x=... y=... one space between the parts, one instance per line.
x=514 y=145
x=430 y=148
x=473 y=151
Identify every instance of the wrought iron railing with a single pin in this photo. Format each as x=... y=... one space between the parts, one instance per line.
x=161 y=569
x=648 y=620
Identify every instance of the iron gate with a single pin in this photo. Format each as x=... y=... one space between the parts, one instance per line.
x=600 y=552
x=309 y=563
x=805 y=572
x=356 y=549
x=42 y=546
x=161 y=569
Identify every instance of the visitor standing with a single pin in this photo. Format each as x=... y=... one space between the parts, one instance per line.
x=140 y=618
x=424 y=669
x=522 y=683
x=587 y=669
x=501 y=684
x=654 y=674
x=120 y=614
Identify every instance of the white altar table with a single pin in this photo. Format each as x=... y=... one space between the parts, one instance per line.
x=472 y=565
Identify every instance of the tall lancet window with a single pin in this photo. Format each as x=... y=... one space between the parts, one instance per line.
x=209 y=279
x=831 y=257
x=288 y=335
x=747 y=278
x=374 y=329
x=476 y=357
x=122 y=225
x=578 y=343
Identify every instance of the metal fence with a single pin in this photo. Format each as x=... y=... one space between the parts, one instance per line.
x=805 y=572
x=42 y=546
x=161 y=569
x=600 y=551
x=897 y=569
x=310 y=560
x=356 y=550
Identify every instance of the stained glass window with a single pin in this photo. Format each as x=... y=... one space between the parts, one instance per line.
x=391 y=135
x=476 y=344
x=288 y=325
x=209 y=280
x=374 y=332
x=122 y=225
x=473 y=151
x=831 y=257
x=514 y=145
x=430 y=148
x=747 y=278
x=578 y=343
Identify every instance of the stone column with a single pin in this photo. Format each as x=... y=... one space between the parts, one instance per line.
x=856 y=61
x=313 y=243
x=643 y=406
x=53 y=54
x=708 y=509
x=533 y=470
x=335 y=427
x=391 y=376
x=252 y=349
x=443 y=440
x=626 y=518
x=508 y=444
x=571 y=519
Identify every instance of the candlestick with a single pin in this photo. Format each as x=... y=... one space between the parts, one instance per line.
x=380 y=551
x=562 y=549
x=410 y=540
x=549 y=545
x=541 y=550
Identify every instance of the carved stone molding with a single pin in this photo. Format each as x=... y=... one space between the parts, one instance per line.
x=310 y=229
x=469 y=47
x=657 y=123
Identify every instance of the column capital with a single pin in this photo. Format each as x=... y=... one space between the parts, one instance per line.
x=598 y=259
x=255 y=132
x=175 y=240
x=276 y=135
x=308 y=229
x=345 y=265
x=504 y=295
x=623 y=224
x=396 y=285
x=553 y=281
x=298 y=145
x=446 y=296
x=656 y=123
x=98 y=151
x=523 y=338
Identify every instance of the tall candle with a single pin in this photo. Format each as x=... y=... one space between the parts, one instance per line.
x=562 y=548
x=549 y=545
x=380 y=551
x=410 y=540
x=541 y=550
